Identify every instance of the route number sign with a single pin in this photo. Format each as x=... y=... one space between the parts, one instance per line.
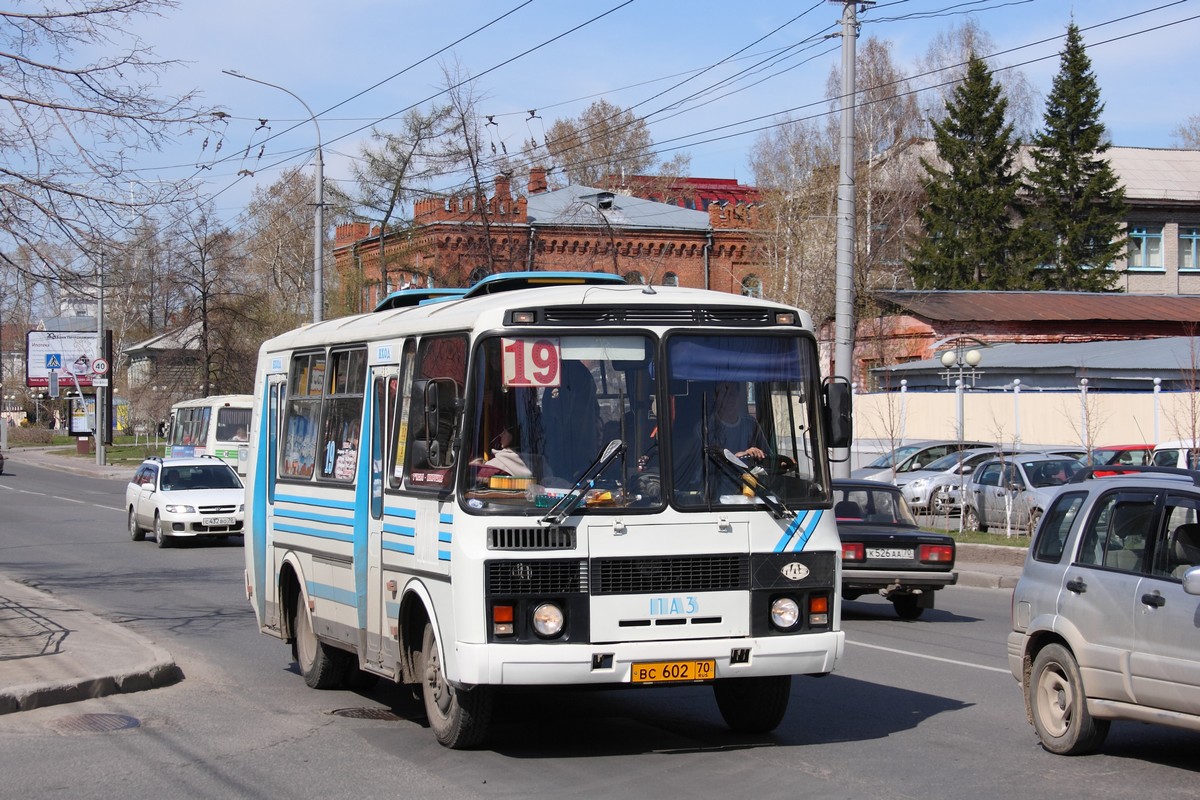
x=531 y=362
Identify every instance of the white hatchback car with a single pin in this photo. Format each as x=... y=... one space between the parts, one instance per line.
x=1104 y=617
x=184 y=498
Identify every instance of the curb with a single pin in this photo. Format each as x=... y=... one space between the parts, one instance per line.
x=163 y=672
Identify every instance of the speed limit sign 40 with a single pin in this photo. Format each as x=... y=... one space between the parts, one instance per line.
x=99 y=366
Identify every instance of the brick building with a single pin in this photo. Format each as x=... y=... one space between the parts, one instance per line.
x=455 y=241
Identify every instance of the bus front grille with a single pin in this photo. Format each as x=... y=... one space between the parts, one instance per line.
x=712 y=573
x=550 y=576
x=560 y=537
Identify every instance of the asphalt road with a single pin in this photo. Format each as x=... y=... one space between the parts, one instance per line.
x=916 y=710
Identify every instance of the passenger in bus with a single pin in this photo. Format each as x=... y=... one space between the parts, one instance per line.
x=240 y=435
x=504 y=459
x=571 y=423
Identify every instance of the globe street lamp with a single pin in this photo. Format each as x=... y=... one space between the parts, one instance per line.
x=319 y=235
x=960 y=363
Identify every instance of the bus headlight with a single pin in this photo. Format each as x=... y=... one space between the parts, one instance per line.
x=548 y=620
x=785 y=613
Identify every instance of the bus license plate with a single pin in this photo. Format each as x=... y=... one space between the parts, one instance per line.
x=889 y=552
x=217 y=522
x=665 y=671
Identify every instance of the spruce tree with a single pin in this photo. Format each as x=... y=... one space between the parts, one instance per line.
x=1076 y=204
x=969 y=240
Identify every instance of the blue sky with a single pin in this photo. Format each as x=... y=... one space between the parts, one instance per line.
x=328 y=54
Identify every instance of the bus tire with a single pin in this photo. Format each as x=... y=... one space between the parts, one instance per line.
x=459 y=718
x=753 y=705
x=322 y=666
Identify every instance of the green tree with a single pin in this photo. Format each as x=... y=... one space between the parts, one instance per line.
x=970 y=239
x=1076 y=204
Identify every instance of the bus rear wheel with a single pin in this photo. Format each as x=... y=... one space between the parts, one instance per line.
x=459 y=718
x=753 y=705
x=322 y=666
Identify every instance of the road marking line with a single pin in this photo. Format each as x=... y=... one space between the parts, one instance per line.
x=931 y=658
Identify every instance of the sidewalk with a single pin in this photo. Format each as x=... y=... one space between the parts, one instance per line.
x=54 y=652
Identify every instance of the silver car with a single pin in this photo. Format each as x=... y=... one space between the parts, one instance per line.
x=1012 y=492
x=907 y=458
x=928 y=489
x=1104 y=615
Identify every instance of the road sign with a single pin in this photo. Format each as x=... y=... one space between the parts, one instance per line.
x=99 y=381
x=99 y=366
x=53 y=361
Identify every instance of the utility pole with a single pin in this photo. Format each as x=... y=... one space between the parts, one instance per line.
x=844 y=319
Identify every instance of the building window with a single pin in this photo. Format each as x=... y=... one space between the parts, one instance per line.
x=1189 y=248
x=635 y=277
x=752 y=286
x=1145 y=247
x=670 y=279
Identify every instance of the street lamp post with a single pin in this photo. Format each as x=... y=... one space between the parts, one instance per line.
x=319 y=235
x=960 y=363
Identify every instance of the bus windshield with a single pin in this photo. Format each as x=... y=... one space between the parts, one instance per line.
x=752 y=398
x=544 y=409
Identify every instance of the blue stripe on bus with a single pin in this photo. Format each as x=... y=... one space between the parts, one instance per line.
x=402 y=513
x=324 y=591
x=308 y=516
x=315 y=502
x=812 y=517
x=400 y=530
x=400 y=547
x=808 y=531
x=443 y=555
x=445 y=537
x=446 y=519
x=315 y=532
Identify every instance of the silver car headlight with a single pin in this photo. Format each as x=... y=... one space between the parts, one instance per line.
x=918 y=484
x=172 y=508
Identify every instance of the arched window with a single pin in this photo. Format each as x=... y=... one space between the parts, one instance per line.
x=670 y=279
x=752 y=286
x=633 y=276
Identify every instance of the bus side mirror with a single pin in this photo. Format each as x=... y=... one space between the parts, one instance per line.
x=836 y=408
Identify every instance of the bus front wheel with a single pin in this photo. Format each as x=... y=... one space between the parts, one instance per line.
x=753 y=705
x=321 y=665
x=459 y=717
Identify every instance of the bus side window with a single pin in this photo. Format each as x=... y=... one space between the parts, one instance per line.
x=435 y=411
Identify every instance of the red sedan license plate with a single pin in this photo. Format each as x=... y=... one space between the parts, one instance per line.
x=665 y=671
x=889 y=552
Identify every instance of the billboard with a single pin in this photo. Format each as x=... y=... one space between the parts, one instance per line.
x=65 y=352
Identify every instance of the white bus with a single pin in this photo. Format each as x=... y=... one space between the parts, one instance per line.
x=533 y=483
x=217 y=426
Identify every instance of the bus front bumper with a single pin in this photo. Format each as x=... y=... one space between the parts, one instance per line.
x=570 y=664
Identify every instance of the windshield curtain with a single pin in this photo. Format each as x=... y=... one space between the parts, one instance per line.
x=542 y=410
x=754 y=396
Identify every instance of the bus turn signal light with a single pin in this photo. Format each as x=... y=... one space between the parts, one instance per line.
x=502 y=620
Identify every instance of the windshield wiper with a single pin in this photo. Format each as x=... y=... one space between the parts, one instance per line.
x=737 y=469
x=563 y=508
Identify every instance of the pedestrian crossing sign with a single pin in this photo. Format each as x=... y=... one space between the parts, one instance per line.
x=53 y=361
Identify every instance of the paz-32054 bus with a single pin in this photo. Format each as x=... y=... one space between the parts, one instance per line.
x=549 y=479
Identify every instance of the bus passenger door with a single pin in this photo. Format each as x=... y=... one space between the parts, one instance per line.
x=383 y=399
x=260 y=483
